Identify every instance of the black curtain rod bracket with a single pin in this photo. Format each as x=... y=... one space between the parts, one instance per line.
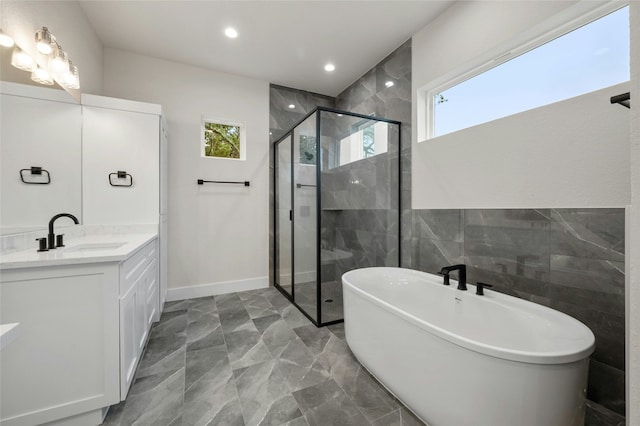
x=623 y=99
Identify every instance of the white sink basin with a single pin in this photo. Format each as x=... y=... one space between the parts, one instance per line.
x=95 y=246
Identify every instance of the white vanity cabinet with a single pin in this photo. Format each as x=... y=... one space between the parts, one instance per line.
x=138 y=309
x=66 y=361
x=85 y=318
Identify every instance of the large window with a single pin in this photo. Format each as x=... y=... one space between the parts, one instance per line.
x=222 y=139
x=589 y=58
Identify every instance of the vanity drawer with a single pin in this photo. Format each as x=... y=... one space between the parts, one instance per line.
x=132 y=268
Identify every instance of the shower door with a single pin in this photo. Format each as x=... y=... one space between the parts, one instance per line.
x=337 y=206
x=305 y=215
x=283 y=216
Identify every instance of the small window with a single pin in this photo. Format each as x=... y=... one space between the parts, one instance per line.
x=586 y=59
x=307 y=149
x=222 y=139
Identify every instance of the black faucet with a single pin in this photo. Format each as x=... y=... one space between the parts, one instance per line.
x=52 y=237
x=462 y=275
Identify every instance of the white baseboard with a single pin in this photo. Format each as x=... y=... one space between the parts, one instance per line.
x=205 y=290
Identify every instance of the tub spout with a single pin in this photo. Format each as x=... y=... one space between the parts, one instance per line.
x=462 y=275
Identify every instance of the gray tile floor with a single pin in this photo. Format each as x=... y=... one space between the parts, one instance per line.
x=251 y=358
x=306 y=297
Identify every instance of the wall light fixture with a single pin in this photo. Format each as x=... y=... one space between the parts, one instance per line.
x=21 y=60
x=42 y=76
x=55 y=64
x=6 y=40
x=44 y=40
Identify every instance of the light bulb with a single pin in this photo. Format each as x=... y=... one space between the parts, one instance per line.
x=329 y=67
x=44 y=40
x=71 y=79
x=58 y=62
x=231 y=32
x=40 y=75
x=21 y=60
x=6 y=40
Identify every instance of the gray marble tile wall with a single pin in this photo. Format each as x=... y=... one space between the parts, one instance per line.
x=371 y=95
x=370 y=227
x=571 y=260
x=370 y=183
x=281 y=117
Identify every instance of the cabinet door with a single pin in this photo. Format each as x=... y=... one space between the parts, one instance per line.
x=141 y=316
x=152 y=296
x=129 y=352
x=112 y=141
x=164 y=261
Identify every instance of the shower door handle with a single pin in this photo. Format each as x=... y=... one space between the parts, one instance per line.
x=290 y=214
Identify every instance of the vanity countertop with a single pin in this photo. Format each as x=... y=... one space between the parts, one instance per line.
x=86 y=249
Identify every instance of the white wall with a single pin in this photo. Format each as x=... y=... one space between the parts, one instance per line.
x=633 y=232
x=68 y=22
x=218 y=234
x=572 y=153
x=569 y=154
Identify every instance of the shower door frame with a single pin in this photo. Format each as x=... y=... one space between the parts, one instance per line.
x=289 y=135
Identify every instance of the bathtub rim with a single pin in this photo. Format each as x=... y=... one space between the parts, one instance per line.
x=530 y=357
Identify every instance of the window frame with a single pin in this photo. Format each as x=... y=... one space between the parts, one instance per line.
x=542 y=34
x=243 y=146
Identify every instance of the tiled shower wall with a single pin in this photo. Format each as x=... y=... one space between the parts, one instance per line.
x=372 y=232
x=569 y=259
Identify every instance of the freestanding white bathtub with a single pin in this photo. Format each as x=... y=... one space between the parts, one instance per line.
x=456 y=358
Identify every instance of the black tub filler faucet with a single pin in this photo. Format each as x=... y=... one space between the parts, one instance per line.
x=462 y=275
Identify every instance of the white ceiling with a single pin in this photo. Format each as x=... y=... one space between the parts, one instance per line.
x=282 y=42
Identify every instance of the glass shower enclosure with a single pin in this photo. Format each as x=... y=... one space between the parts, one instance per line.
x=337 y=206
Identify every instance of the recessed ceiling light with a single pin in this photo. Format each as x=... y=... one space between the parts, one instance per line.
x=389 y=83
x=329 y=67
x=230 y=32
x=292 y=106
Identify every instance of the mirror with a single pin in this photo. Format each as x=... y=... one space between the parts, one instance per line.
x=40 y=151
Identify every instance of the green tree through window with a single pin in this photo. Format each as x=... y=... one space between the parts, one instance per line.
x=368 y=142
x=221 y=140
x=307 y=149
